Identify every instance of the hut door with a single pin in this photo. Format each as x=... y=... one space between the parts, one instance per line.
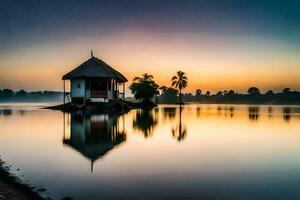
x=99 y=88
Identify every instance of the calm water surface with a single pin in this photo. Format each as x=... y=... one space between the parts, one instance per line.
x=197 y=152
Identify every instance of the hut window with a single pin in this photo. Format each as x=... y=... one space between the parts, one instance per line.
x=78 y=85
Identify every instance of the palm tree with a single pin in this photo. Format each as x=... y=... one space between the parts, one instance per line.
x=180 y=81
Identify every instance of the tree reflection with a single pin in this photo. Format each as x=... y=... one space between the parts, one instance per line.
x=6 y=112
x=180 y=131
x=270 y=111
x=169 y=112
x=253 y=113
x=219 y=110
x=231 y=111
x=145 y=122
x=198 y=111
x=287 y=114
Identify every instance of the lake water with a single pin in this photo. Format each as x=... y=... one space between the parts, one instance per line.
x=196 y=152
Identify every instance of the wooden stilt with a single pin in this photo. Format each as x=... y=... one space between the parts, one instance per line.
x=123 y=91
x=84 y=96
x=64 y=131
x=64 y=92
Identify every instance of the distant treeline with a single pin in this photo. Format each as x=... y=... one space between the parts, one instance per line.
x=7 y=95
x=253 y=96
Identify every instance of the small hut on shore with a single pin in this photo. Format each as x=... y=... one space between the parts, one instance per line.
x=94 y=81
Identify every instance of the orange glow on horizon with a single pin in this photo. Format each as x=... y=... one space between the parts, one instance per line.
x=211 y=62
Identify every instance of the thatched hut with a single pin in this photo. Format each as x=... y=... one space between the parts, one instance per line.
x=94 y=81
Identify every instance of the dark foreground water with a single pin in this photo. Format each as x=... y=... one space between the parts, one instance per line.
x=197 y=152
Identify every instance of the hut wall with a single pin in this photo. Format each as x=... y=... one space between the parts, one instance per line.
x=109 y=94
x=88 y=94
x=77 y=88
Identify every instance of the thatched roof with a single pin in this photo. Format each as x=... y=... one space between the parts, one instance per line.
x=94 y=68
x=94 y=151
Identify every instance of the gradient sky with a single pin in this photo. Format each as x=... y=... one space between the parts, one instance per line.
x=219 y=44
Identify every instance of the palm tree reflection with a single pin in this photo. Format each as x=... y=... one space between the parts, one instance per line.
x=180 y=131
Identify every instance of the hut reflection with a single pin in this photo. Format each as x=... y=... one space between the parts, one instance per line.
x=93 y=136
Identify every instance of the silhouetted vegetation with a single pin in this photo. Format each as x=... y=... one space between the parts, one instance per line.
x=7 y=95
x=144 y=88
x=180 y=82
x=168 y=95
x=253 y=96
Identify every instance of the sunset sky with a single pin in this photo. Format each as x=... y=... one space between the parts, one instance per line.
x=221 y=45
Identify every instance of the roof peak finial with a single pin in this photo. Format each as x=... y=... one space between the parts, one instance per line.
x=92 y=55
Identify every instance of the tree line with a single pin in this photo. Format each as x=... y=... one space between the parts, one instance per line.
x=253 y=96
x=22 y=95
x=145 y=89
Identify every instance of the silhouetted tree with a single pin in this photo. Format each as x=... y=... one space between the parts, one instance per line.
x=22 y=93
x=253 y=91
x=286 y=97
x=219 y=94
x=7 y=93
x=180 y=82
x=270 y=92
x=144 y=88
x=286 y=91
x=198 y=92
x=231 y=93
x=188 y=96
x=163 y=89
x=168 y=95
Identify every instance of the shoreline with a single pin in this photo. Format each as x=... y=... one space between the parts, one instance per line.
x=12 y=188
